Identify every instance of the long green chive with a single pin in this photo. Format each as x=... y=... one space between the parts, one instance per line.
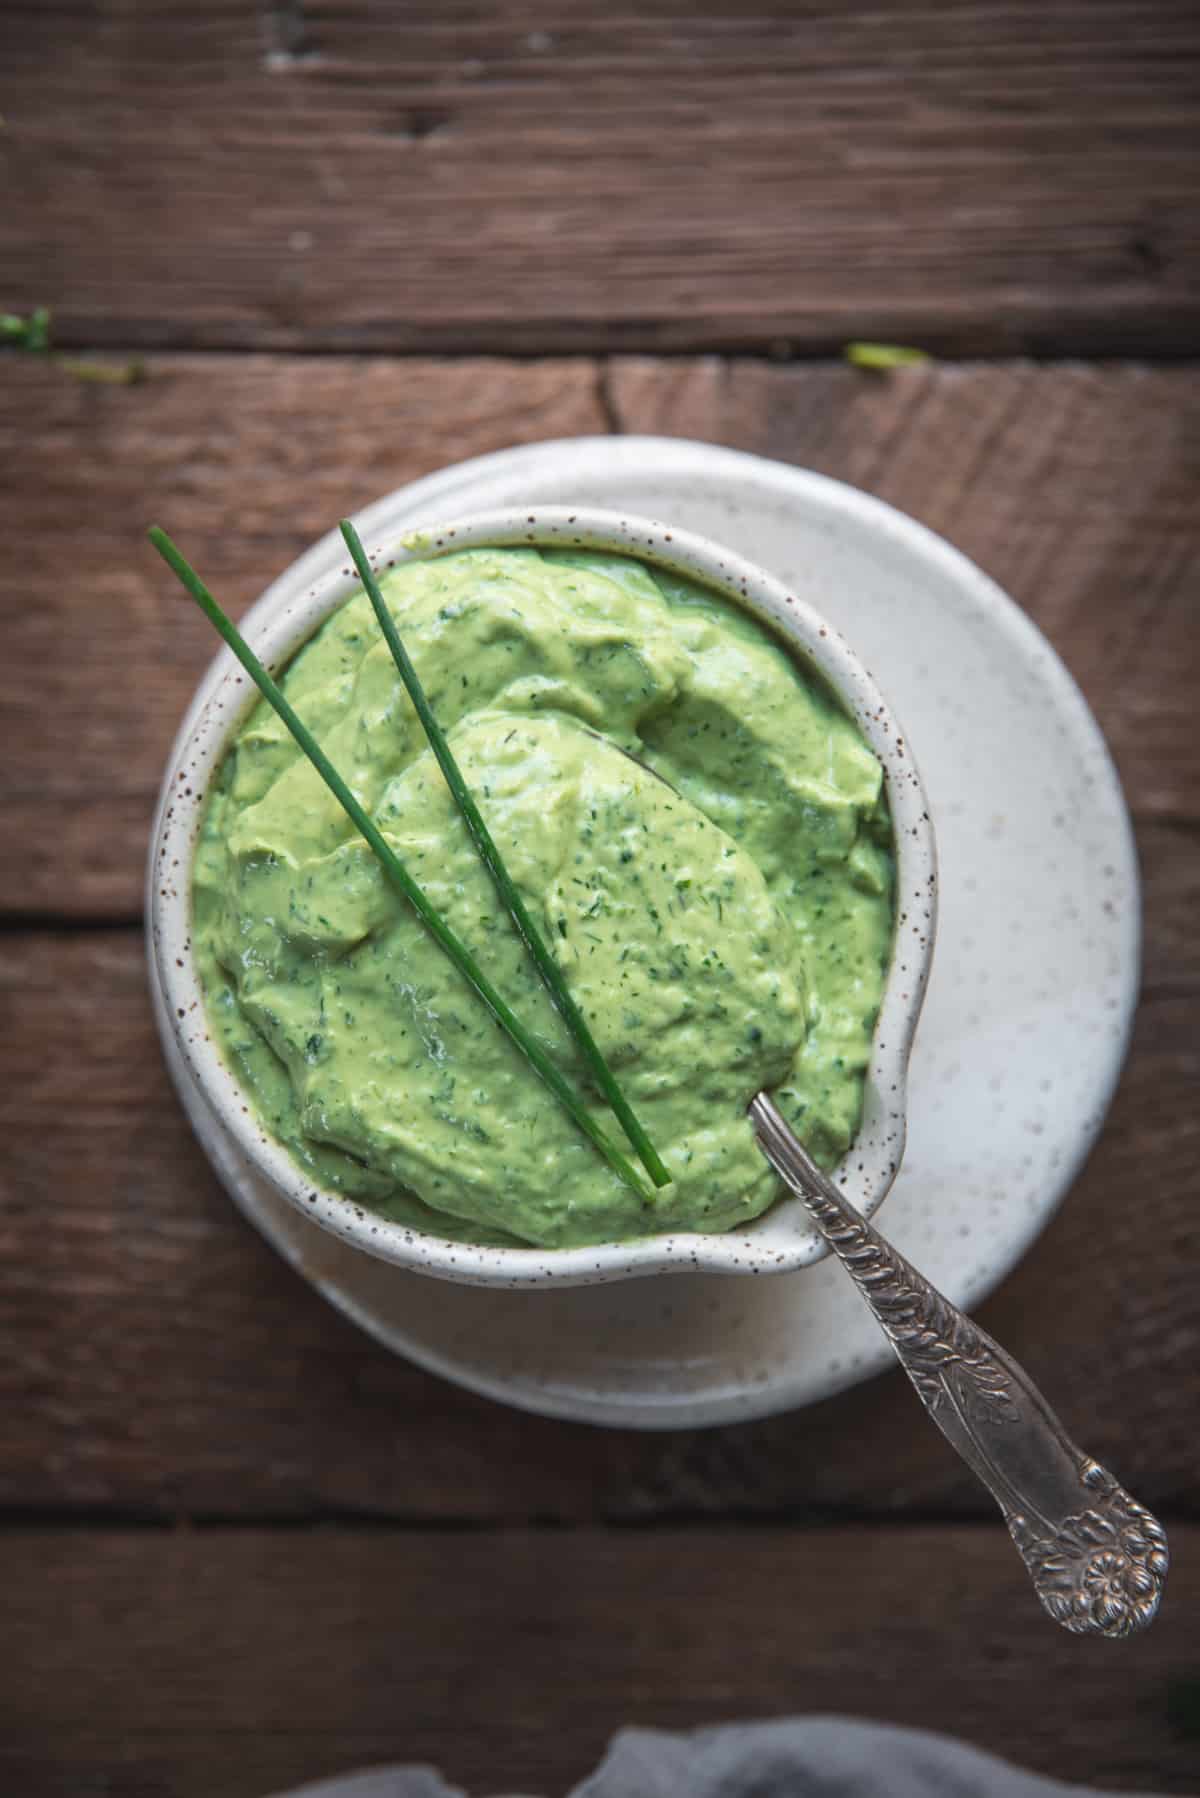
x=394 y=868
x=548 y=968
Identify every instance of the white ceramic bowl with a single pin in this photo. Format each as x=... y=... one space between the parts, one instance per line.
x=779 y=1241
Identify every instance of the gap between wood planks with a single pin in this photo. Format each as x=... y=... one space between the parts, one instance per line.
x=604 y=348
x=118 y=1520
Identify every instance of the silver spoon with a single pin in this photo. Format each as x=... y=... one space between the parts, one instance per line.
x=1098 y=1560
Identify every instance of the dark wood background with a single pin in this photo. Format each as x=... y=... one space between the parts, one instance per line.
x=241 y=1545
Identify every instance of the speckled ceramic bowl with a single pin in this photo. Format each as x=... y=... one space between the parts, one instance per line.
x=779 y=1241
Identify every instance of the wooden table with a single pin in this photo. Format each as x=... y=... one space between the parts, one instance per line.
x=243 y=1546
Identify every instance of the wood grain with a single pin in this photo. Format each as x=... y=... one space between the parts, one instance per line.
x=560 y=177
x=1075 y=487
x=238 y=1662
x=161 y=1362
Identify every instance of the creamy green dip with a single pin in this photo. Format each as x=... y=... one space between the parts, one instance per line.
x=724 y=936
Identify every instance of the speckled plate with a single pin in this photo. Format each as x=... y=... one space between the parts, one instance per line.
x=1028 y=1009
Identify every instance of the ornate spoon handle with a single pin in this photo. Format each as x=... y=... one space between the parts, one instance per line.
x=1097 y=1558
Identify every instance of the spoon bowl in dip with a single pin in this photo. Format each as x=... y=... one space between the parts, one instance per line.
x=781 y=1238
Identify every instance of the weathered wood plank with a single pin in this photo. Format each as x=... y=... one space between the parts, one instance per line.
x=1075 y=487
x=562 y=177
x=182 y=1665
x=159 y=1359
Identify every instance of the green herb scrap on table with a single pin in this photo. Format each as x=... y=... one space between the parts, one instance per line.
x=884 y=356
x=32 y=335
x=450 y=755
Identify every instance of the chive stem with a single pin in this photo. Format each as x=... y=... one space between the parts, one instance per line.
x=547 y=967
x=457 y=951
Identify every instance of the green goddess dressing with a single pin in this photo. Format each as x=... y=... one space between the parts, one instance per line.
x=724 y=932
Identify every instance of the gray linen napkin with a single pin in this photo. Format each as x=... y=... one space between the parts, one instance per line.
x=799 y=1757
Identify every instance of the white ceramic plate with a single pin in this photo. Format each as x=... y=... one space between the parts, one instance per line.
x=1029 y=1005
